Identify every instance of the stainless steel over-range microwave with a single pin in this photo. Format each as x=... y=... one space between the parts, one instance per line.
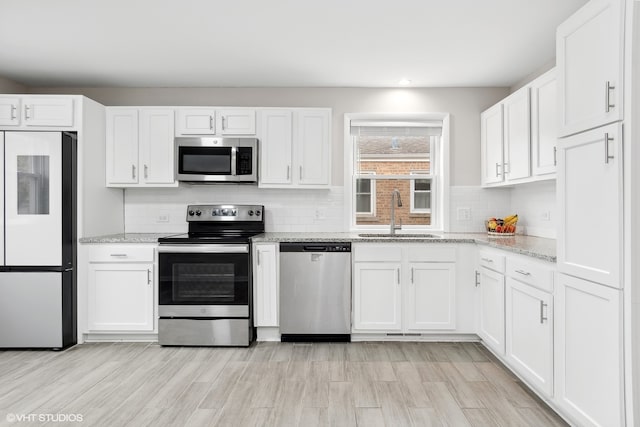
x=211 y=160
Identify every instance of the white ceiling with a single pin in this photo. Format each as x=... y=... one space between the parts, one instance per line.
x=271 y=43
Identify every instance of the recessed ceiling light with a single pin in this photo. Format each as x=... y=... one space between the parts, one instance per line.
x=404 y=82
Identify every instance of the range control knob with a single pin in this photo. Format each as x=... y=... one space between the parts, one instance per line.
x=250 y=213
x=215 y=212
x=257 y=213
x=234 y=212
x=198 y=212
x=191 y=213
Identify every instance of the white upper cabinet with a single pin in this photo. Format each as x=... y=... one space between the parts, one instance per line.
x=214 y=121
x=516 y=135
x=156 y=146
x=236 y=122
x=275 y=146
x=295 y=148
x=122 y=146
x=519 y=134
x=544 y=124
x=10 y=108
x=313 y=147
x=589 y=192
x=491 y=137
x=195 y=121
x=140 y=147
x=590 y=55
x=43 y=111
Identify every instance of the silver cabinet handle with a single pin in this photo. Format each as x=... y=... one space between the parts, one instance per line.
x=14 y=111
x=607 y=156
x=211 y=122
x=27 y=116
x=146 y=171
x=148 y=276
x=133 y=171
x=486 y=259
x=555 y=156
x=504 y=167
x=477 y=278
x=497 y=171
x=118 y=255
x=607 y=96
x=258 y=256
x=398 y=275
x=222 y=122
x=524 y=273
x=300 y=172
x=542 y=316
x=411 y=274
x=288 y=172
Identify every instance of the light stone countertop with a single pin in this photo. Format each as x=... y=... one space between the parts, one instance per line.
x=537 y=247
x=126 y=238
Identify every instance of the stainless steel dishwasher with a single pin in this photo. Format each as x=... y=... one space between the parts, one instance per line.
x=315 y=291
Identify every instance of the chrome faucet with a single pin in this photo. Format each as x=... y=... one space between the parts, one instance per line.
x=395 y=195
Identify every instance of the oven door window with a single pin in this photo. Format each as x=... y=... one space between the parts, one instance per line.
x=205 y=160
x=203 y=279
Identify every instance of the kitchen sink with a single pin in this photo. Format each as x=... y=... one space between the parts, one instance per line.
x=402 y=235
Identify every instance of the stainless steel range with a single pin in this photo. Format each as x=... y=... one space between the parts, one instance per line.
x=205 y=275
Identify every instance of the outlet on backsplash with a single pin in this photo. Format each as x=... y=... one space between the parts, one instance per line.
x=464 y=214
x=163 y=217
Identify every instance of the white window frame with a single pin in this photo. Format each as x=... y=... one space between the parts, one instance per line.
x=372 y=188
x=412 y=191
x=440 y=206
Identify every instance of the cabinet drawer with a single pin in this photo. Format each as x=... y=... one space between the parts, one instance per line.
x=377 y=252
x=532 y=273
x=436 y=253
x=121 y=253
x=492 y=261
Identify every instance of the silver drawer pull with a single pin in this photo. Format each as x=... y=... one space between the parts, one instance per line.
x=524 y=273
x=486 y=259
x=477 y=278
x=118 y=255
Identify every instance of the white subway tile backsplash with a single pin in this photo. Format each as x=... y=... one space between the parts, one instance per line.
x=323 y=210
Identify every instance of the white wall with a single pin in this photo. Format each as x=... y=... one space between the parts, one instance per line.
x=9 y=86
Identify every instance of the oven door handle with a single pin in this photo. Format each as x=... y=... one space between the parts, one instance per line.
x=205 y=249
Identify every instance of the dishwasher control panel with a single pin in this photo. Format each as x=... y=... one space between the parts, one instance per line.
x=315 y=247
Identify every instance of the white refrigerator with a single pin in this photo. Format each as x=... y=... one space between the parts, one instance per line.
x=38 y=240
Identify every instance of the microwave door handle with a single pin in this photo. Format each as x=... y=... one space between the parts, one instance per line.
x=233 y=160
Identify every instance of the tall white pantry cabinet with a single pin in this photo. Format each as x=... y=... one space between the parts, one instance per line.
x=589 y=364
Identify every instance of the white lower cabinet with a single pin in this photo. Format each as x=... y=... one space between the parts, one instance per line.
x=529 y=334
x=120 y=289
x=491 y=322
x=588 y=357
x=265 y=284
x=430 y=298
x=377 y=302
x=403 y=288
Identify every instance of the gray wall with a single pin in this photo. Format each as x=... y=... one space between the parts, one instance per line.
x=9 y=86
x=464 y=105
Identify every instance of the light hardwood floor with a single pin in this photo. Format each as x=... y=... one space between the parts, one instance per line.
x=268 y=384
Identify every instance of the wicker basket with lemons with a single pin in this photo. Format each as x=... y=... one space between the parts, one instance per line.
x=502 y=226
